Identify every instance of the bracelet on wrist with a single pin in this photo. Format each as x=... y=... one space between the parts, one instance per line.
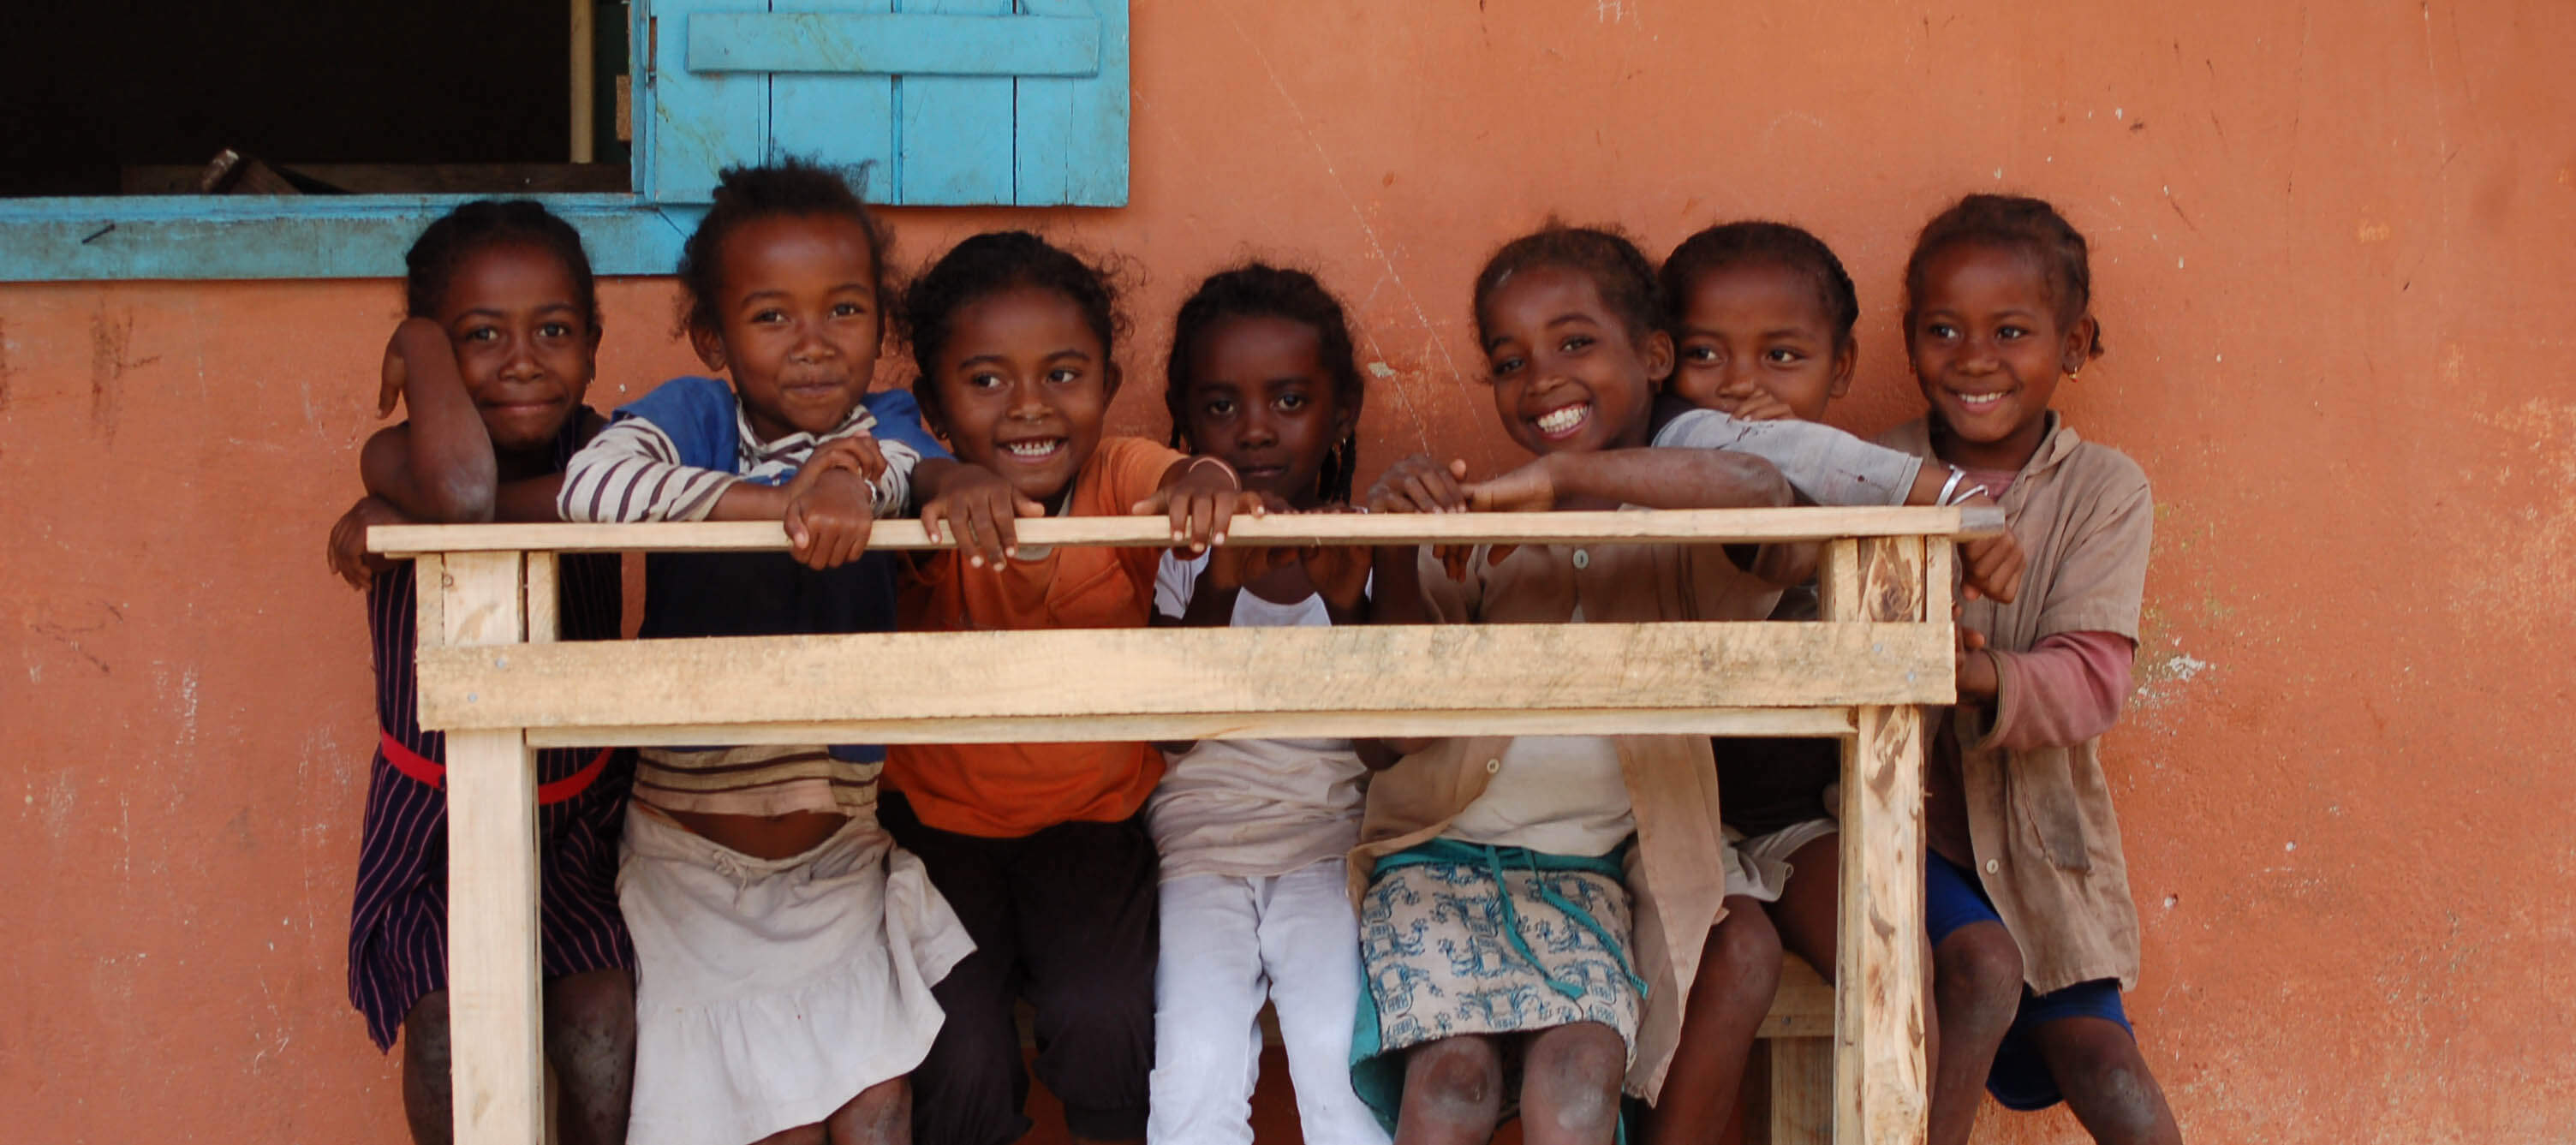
x=1219 y=462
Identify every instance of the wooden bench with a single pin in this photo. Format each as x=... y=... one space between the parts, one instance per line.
x=493 y=676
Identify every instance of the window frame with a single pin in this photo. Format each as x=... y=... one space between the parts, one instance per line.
x=109 y=238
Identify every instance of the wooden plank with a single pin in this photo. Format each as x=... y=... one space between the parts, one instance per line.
x=1879 y=1072
x=1801 y=1091
x=429 y=600
x=847 y=120
x=544 y=599
x=1940 y=589
x=1940 y=579
x=1230 y=725
x=886 y=44
x=1069 y=135
x=974 y=675
x=1837 y=579
x=493 y=1003
x=1672 y=526
x=1891 y=578
x=582 y=66
x=953 y=133
x=1803 y=1007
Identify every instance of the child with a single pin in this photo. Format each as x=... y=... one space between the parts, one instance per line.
x=1495 y=875
x=1252 y=832
x=1763 y=314
x=2027 y=896
x=787 y=946
x=1039 y=847
x=499 y=347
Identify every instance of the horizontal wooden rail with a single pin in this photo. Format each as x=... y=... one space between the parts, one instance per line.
x=948 y=679
x=1672 y=526
x=1223 y=725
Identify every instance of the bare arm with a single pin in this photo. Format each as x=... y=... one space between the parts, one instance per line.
x=438 y=466
x=1658 y=479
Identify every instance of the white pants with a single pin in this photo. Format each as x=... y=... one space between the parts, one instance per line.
x=1227 y=943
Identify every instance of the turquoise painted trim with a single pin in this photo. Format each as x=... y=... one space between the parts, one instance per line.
x=1069 y=140
x=289 y=236
x=911 y=44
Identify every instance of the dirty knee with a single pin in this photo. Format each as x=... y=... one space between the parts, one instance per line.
x=1981 y=960
x=1574 y=1072
x=1454 y=1079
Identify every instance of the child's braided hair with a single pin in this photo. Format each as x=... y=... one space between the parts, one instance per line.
x=1259 y=290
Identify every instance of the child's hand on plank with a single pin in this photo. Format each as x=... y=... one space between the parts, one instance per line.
x=1201 y=500
x=1231 y=567
x=979 y=510
x=1991 y=566
x=1418 y=484
x=1531 y=488
x=831 y=507
x=347 y=551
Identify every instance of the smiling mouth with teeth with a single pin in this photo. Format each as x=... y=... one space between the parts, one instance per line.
x=1034 y=450
x=1978 y=401
x=1558 y=421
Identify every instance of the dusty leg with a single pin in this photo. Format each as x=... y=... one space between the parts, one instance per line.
x=590 y=1039
x=1453 y=1092
x=2106 y=1082
x=1739 y=972
x=1570 y=1082
x=1807 y=911
x=427 y=1085
x=1976 y=987
x=880 y=1115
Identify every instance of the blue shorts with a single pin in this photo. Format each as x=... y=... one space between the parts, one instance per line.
x=1953 y=898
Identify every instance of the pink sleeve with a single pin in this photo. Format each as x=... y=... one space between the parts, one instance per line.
x=2067 y=689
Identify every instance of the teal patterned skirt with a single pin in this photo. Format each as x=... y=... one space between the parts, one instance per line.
x=1460 y=938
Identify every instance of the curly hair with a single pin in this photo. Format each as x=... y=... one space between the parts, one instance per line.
x=1259 y=290
x=1621 y=272
x=430 y=266
x=1767 y=243
x=988 y=264
x=2012 y=221
x=791 y=186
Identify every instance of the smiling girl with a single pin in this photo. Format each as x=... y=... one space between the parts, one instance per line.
x=1534 y=911
x=1041 y=847
x=2026 y=890
x=787 y=945
x=492 y=363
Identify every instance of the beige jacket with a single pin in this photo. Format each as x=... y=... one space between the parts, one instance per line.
x=1676 y=872
x=2047 y=842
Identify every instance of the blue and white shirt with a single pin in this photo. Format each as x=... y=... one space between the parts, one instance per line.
x=671 y=454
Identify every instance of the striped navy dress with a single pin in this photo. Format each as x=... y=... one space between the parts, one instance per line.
x=398 y=924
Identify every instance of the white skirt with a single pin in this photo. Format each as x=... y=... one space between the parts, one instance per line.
x=769 y=992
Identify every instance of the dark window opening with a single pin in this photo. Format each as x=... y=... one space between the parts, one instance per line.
x=124 y=97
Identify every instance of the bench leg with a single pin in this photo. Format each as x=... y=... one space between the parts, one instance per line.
x=1802 y=1090
x=1879 y=1076
x=494 y=1008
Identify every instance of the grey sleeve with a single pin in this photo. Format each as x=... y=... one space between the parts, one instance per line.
x=1826 y=465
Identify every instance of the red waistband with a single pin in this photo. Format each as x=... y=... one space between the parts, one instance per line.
x=434 y=773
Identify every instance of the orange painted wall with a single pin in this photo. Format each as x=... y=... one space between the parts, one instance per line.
x=2335 y=271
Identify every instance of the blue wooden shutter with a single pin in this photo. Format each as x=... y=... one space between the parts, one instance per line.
x=954 y=102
